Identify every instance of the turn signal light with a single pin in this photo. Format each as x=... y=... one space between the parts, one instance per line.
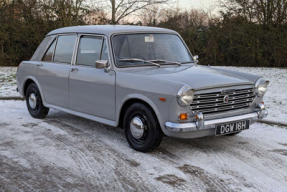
x=162 y=99
x=262 y=102
x=183 y=116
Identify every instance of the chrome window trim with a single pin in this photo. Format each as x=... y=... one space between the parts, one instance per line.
x=55 y=48
x=75 y=50
x=103 y=40
x=48 y=47
x=78 y=43
x=135 y=32
x=64 y=34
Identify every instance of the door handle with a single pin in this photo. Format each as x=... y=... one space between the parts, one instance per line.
x=74 y=69
x=39 y=65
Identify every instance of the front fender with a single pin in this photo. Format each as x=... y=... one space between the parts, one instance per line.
x=160 y=107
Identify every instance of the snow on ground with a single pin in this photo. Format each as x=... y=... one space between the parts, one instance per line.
x=276 y=97
x=8 y=82
x=65 y=152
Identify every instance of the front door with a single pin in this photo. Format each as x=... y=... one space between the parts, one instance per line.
x=91 y=90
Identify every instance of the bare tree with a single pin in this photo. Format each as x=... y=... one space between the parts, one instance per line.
x=267 y=12
x=123 y=8
x=151 y=15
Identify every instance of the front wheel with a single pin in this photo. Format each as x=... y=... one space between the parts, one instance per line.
x=141 y=128
x=34 y=102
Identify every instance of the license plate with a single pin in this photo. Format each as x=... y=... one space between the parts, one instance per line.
x=231 y=127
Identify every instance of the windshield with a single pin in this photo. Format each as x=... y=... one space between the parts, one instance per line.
x=142 y=49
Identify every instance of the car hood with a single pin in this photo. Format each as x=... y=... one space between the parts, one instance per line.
x=196 y=76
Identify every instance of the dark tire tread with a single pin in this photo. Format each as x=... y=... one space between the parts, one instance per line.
x=155 y=142
x=43 y=111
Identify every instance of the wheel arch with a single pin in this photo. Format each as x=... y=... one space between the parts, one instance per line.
x=135 y=99
x=26 y=84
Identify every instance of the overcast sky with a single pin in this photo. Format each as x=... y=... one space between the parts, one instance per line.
x=198 y=4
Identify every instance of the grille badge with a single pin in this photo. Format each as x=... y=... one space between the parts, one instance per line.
x=226 y=99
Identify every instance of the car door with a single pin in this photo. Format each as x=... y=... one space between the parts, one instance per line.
x=92 y=91
x=52 y=72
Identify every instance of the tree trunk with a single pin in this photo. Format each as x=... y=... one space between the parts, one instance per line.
x=113 y=11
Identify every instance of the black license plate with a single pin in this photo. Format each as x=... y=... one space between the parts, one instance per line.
x=234 y=127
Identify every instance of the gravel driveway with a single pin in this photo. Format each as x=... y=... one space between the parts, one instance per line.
x=68 y=153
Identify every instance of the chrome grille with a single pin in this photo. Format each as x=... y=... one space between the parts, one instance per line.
x=208 y=103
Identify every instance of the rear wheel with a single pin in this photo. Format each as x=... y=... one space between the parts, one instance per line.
x=34 y=102
x=141 y=128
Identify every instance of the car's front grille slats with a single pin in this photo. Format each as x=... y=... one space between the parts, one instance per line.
x=208 y=103
x=220 y=99
x=207 y=96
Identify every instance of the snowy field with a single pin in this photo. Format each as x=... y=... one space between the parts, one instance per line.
x=68 y=153
x=8 y=82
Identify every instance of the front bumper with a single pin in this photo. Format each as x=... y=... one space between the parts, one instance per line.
x=210 y=124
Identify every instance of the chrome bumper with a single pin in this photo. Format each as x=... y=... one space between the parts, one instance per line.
x=193 y=126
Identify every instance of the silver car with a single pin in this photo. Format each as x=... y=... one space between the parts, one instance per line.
x=143 y=79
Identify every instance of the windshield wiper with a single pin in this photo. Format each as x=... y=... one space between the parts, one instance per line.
x=140 y=60
x=167 y=62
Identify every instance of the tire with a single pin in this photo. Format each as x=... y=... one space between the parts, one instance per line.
x=147 y=138
x=34 y=102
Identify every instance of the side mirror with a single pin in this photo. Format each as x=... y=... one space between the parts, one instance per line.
x=195 y=58
x=101 y=64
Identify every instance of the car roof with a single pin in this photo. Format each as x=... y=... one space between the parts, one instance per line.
x=109 y=29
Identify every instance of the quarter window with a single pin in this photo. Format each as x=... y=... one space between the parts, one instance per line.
x=65 y=48
x=49 y=54
x=104 y=55
x=89 y=50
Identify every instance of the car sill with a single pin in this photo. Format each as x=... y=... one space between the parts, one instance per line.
x=86 y=116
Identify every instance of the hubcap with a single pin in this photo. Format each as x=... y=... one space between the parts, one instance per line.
x=137 y=127
x=33 y=100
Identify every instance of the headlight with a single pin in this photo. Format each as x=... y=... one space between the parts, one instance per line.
x=184 y=96
x=261 y=86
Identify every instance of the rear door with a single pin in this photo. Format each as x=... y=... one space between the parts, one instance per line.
x=53 y=71
x=92 y=91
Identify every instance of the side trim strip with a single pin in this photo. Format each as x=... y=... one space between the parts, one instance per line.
x=91 y=117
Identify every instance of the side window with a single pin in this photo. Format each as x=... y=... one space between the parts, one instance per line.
x=104 y=55
x=65 y=48
x=49 y=54
x=89 y=50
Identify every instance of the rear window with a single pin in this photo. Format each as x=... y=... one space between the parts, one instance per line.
x=38 y=55
x=65 y=48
